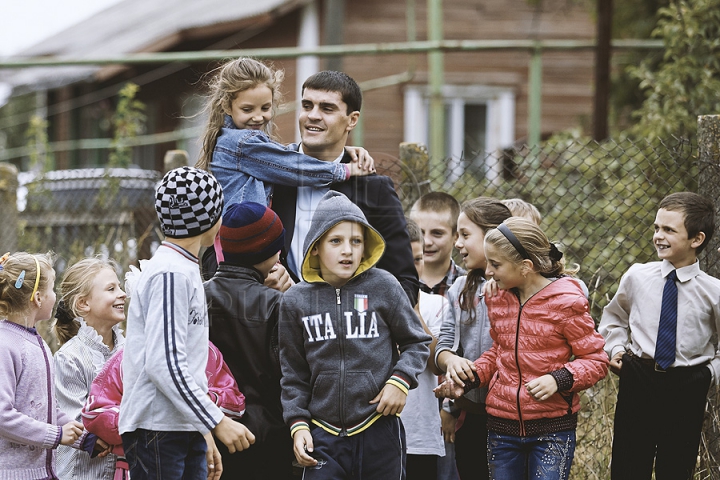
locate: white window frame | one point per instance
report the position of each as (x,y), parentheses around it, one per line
(499,130)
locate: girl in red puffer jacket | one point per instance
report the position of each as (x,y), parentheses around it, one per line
(545,350)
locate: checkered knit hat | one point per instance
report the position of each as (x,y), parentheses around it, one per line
(188,201)
(250,233)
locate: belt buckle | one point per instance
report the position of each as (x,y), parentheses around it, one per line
(659,369)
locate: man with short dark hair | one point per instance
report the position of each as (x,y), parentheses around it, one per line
(330,109)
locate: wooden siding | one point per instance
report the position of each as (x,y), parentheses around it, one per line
(567,91)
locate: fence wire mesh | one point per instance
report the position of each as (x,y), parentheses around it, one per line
(597,199)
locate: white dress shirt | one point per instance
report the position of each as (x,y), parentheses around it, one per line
(630,321)
(307,201)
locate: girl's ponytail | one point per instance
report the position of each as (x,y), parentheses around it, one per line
(65,326)
(547,259)
(77,283)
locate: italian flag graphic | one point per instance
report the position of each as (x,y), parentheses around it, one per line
(361,302)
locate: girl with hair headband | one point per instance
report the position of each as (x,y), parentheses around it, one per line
(545,350)
(31,424)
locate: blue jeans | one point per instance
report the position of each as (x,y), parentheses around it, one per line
(546,457)
(165,455)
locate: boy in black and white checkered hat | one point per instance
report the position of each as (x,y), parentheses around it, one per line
(188,202)
(165,385)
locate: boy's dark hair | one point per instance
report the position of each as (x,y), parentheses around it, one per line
(332,81)
(699,214)
(413,230)
(438,202)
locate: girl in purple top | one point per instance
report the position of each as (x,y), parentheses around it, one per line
(31,425)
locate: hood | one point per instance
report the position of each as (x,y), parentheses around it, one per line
(333,208)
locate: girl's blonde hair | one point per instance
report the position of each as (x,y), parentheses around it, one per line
(545,257)
(521,208)
(233,77)
(76,284)
(16,287)
(486,213)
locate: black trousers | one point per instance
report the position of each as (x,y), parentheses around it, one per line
(659,417)
(471,448)
(422,467)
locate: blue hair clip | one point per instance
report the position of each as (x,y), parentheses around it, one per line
(20,280)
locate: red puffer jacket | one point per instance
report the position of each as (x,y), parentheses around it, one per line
(551,331)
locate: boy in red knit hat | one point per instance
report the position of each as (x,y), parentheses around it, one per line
(243,325)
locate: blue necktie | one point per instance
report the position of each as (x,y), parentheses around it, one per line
(667,331)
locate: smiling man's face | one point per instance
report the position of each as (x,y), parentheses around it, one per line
(325,123)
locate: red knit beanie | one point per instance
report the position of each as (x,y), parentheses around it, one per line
(250,233)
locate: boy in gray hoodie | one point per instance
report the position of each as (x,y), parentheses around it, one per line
(351,346)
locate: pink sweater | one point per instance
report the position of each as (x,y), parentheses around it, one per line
(102,410)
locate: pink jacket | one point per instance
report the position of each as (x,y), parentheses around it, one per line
(102,409)
(533,340)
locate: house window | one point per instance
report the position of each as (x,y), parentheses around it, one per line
(479,121)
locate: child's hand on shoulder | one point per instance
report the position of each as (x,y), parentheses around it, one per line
(390,400)
(542,388)
(278,278)
(303,448)
(71,431)
(362,163)
(234,435)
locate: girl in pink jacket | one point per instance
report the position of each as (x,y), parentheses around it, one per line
(545,350)
(100,413)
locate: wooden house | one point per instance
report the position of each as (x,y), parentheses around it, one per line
(485,92)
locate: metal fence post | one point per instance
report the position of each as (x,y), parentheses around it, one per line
(535,98)
(709,182)
(415,172)
(8,207)
(175,159)
(708,139)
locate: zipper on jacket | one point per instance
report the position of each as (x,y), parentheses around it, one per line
(50,388)
(520,380)
(341,343)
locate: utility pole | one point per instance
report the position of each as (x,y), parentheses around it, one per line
(602,69)
(436,67)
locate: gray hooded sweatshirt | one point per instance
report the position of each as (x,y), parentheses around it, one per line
(340,346)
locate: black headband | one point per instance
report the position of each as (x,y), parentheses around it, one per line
(513,240)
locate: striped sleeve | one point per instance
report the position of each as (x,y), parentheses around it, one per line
(170,321)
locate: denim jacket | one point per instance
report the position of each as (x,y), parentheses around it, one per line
(247,163)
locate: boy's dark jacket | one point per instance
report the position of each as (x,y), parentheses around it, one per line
(243,325)
(339,347)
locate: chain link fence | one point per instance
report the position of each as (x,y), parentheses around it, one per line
(597,199)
